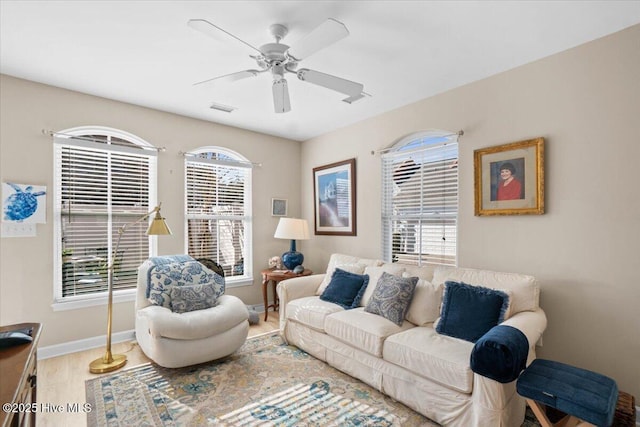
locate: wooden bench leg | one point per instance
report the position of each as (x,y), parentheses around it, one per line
(567,421)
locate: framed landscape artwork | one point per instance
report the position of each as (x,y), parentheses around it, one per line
(509,178)
(334,195)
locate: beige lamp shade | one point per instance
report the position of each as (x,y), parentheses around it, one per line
(292,228)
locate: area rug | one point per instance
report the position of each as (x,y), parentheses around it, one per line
(265,383)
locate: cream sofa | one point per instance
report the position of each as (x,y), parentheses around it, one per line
(412,363)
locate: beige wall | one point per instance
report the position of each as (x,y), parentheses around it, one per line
(585,249)
(26,276)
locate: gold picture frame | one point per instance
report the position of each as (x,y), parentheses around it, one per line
(509,178)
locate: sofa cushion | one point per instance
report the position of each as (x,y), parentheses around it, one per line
(375,273)
(392,297)
(425,305)
(424,272)
(364,331)
(348,263)
(524,290)
(437,357)
(194,297)
(345,289)
(311,311)
(468,312)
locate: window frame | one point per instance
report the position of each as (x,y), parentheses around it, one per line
(414,145)
(60,302)
(241,162)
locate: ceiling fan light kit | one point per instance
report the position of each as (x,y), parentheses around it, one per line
(281,101)
(280,59)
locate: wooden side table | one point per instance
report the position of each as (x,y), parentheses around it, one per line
(275,277)
(18,369)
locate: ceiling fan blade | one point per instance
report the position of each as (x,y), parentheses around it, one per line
(216,32)
(353,89)
(281,96)
(327,33)
(230,78)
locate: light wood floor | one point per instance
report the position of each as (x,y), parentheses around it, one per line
(61,379)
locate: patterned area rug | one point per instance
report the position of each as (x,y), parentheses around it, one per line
(266,383)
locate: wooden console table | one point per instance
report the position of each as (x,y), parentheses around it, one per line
(18,368)
(275,277)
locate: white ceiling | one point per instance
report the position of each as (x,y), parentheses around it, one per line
(143,52)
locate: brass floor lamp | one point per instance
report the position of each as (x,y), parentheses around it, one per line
(110,362)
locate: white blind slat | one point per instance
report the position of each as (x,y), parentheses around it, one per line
(101,186)
(217,213)
(420,201)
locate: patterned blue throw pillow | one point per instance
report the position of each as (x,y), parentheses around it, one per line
(392,297)
(162,278)
(193,297)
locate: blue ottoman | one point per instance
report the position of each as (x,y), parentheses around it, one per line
(585,395)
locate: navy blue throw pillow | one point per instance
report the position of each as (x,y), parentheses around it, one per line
(468,312)
(345,289)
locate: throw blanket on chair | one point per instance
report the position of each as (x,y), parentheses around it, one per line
(178,271)
(500,354)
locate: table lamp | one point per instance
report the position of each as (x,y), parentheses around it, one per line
(293,229)
(110,362)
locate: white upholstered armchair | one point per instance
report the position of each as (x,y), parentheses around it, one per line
(182,315)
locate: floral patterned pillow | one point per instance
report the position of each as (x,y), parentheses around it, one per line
(193,297)
(163,278)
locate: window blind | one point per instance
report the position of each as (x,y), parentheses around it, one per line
(218,212)
(420,202)
(98,190)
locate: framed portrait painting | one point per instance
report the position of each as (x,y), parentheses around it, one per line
(509,178)
(334,195)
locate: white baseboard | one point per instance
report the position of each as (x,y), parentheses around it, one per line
(84,344)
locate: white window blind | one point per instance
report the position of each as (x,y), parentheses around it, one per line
(218,211)
(420,200)
(101,183)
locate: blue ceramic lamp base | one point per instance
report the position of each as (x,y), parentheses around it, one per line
(293,258)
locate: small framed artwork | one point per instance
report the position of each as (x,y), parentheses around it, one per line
(334,195)
(278,207)
(509,178)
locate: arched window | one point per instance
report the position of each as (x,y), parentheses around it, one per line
(420,199)
(103,179)
(218,210)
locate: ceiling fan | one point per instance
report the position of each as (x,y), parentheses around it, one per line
(280,59)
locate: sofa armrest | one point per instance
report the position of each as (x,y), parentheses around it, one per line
(493,395)
(532,324)
(294,288)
